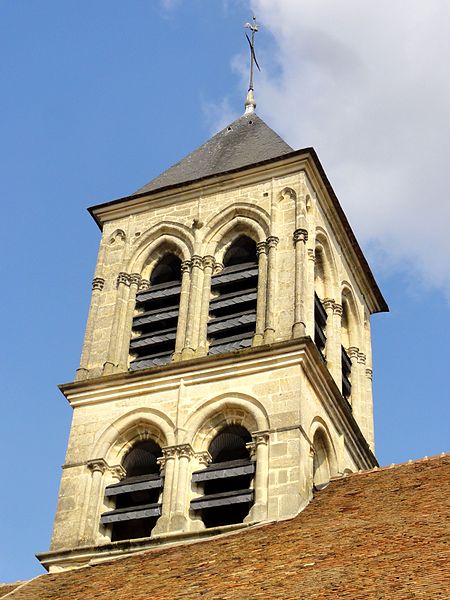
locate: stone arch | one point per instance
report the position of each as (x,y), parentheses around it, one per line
(117,238)
(289,192)
(241,218)
(325,266)
(325,463)
(137,425)
(168,236)
(351,333)
(225,409)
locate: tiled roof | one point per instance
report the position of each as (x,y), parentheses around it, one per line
(380,534)
(246,141)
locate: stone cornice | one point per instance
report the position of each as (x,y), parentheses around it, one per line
(300,351)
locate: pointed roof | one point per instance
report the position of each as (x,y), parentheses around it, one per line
(246,141)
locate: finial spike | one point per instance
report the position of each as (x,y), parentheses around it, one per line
(250,103)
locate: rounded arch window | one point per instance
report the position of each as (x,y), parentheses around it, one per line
(242,250)
(232,309)
(226,482)
(136,498)
(156,316)
(321,462)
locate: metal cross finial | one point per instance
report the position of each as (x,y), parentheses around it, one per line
(253,26)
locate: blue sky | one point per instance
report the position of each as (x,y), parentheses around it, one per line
(99,97)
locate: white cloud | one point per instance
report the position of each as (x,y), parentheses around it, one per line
(367,85)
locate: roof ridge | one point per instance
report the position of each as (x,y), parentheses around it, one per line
(391,466)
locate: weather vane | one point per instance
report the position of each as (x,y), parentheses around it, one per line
(253,28)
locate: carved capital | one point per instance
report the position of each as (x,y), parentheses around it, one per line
(218,268)
(135,279)
(98,283)
(361,358)
(311,254)
(259,438)
(300,235)
(144,284)
(261,248)
(208,262)
(123,278)
(272,241)
(186,266)
(118,472)
(185,451)
(197,261)
(328,304)
(369,374)
(337,309)
(353,352)
(204,458)
(97,465)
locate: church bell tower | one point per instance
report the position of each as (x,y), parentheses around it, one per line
(226,370)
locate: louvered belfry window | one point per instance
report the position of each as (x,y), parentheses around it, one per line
(232,311)
(156,316)
(320,325)
(137,505)
(225,483)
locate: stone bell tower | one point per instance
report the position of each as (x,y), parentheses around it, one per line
(226,369)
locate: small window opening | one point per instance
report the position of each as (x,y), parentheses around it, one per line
(345,359)
(320,326)
(137,496)
(321,465)
(226,482)
(156,316)
(232,311)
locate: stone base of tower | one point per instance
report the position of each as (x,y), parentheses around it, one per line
(302,433)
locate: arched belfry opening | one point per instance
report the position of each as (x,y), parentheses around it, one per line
(156,316)
(137,495)
(232,311)
(226,482)
(321,461)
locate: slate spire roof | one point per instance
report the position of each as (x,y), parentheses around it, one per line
(246,141)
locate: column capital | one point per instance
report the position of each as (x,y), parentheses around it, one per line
(186,266)
(353,352)
(272,241)
(144,284)
(328,304)
(185,451)
(311,254)
(204,458)
(117,471)
(259,438)
(123,278)
(218,268)
(98,283)
(337,309)
(300,235)
(197,261)
(361,358)
(97,465)
(134,279)
(261,248)
(209,262)
(369,374)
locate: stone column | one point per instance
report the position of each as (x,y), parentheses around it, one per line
(337,357)
(269,332)
(333,343)
(369,404)
(261,251)
(183,308)
(355,396)
(194,308)
(259,451)
(309,295)
(98,284)
(93,500)
(119,312)
(167,466)
(299,326)
(125,329)
(208,268)
(179,520)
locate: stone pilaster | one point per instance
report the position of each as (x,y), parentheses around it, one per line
(98,283)
(299,326)
(259,451)
(269,332)
(261,251)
